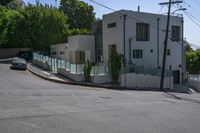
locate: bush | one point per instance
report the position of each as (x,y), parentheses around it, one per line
(114,65)
(87,70)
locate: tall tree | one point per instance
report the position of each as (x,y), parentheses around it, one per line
(5,2)
(193,61)
(15,4)
(34,26)
(80,14)
(8,20)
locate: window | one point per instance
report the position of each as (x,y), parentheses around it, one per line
(168,52)
(137,53)
(151,50)
(142,32)
(175,33)
(111,25)
(82,56)
(62,52)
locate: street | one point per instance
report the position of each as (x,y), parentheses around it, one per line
(29,104)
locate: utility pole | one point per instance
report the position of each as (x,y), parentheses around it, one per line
(166,40)
(124,58)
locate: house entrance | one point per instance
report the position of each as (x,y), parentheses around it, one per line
(176,75)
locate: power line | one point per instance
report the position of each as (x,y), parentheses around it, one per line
(192,19)
(157,13)
(135,19)
(193,16)
(197,2)
(188,5)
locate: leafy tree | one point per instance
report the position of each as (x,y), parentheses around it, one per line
(38,27)
(80,14)
(5,2)
(79,32)
(193,61)
(114,64)
(8,20)
(15,4)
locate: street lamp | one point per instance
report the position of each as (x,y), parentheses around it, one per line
(180,9)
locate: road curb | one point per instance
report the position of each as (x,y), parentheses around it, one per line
(47,78)
(120,88)
(85,84)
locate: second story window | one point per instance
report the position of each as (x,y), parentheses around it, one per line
(137,53)
(175,33)
(142,32)
(111,25)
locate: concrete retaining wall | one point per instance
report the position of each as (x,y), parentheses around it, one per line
(41,64)
(145,81)
(75,77)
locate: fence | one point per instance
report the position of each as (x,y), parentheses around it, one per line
(194,77)
(96,70)
(145,70)
(72,68)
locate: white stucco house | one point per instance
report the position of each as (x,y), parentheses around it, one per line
(138,36)
(78,50)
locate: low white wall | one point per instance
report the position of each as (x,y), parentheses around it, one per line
(41,64)
(145,81)
(101,79)
(194,84)
(75,77)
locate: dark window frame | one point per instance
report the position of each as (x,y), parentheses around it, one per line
(142,32)
(175,33)
(137,53)
(112,25)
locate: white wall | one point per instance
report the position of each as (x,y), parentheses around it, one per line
(145,81)
(58,48)
(83,43)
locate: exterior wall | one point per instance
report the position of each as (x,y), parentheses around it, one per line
(112,35)
(75,44)
(83,43)
(60,48)
(101,79)
(12,52)
(145,81)
(115,36)
(75,77)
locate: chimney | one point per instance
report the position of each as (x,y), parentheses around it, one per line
(138,8)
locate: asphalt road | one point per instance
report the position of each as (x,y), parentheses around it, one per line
(29,104)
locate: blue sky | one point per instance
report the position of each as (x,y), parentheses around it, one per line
(191,32)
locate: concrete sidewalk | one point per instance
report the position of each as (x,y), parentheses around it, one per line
(51,76)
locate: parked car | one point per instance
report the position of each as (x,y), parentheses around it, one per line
(19,63)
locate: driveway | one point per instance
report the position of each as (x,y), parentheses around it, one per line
(29,104)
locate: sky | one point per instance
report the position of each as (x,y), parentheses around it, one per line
(191,30)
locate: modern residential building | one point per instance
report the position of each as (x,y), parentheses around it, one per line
(137,36)
(78,50)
